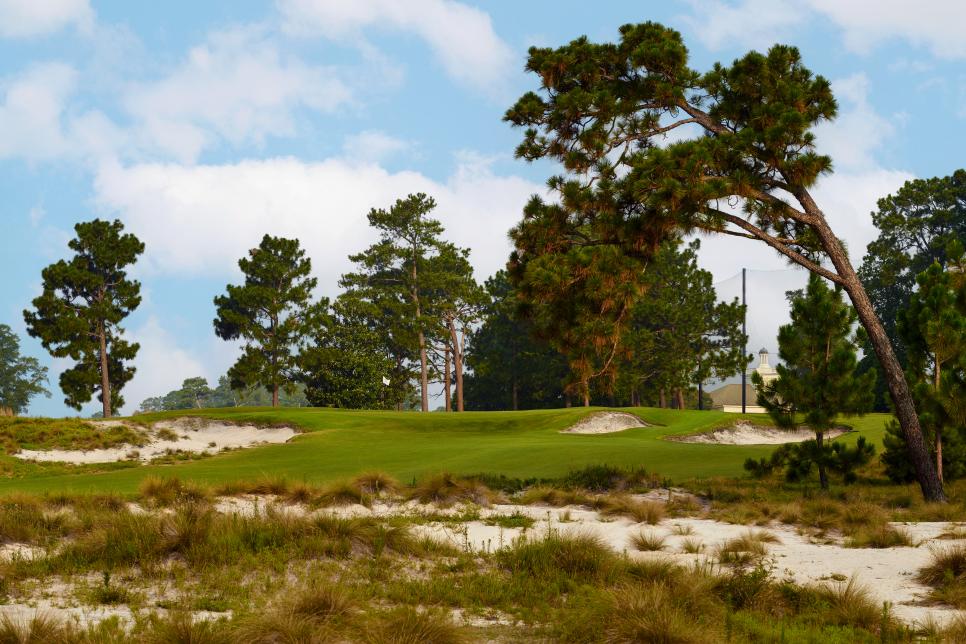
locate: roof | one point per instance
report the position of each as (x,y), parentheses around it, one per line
(731,395)
(763,350)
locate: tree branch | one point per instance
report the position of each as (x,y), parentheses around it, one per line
(777,244)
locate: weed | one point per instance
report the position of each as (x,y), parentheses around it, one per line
(648,512)
(682,530)
(692,546)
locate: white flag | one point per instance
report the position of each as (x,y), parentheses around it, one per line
(385,381)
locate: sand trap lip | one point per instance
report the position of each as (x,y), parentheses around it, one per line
(196,435)
(748,434)
(605,422)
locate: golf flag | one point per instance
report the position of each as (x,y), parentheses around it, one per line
(385,381)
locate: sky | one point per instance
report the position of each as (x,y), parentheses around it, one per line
(205,125)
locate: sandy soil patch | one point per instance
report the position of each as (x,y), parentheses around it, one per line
(605,422)
(748,434)
(195,435)
(888,573)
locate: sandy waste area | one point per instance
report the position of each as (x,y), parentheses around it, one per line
(605,422)
(887,573)
(748,434)
(196,435)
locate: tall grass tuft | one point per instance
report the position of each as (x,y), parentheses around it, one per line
(178,627)
(648,541)
(579,556)
(447,489)
(167,491)
(407,625)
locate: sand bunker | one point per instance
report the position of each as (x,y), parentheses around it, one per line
(195,435)
(605,422)
(747,434)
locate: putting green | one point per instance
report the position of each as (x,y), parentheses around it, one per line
(339,444)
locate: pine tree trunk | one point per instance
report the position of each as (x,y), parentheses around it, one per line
(680,396)
(905,408)
(458,360)
(105,375)
(516,393)
(423,372)
(567,401)
(446,378)
(822,474)
(663,399)
(275,395)
(586,394)
(701,396)
(939,434)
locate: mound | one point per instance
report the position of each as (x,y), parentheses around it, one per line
(748,434)
(194,435)
(605,422)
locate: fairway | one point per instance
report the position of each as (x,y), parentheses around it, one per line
(528,444)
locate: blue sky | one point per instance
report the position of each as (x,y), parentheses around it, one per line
(204,125)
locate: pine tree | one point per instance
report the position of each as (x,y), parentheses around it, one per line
(79,313)
(604,111)
(272,311)
(817,379)
(510,368)
(933,328)
(407,277)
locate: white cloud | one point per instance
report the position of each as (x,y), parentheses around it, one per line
(236,87)
(462,37)
(25,18)
(31,110)
(161,364)
(750,23)
(178,210)
(36,124)
(858,131)
(373,146)
(936,25)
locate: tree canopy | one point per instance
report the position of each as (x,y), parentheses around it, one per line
(21,377)
(78,315)
(741,161)
(272,311)
(916,226)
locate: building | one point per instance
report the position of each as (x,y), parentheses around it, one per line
(728,397)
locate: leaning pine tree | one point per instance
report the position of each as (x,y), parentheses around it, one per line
(272,311)
(743,135)
(79,313)
(817,379)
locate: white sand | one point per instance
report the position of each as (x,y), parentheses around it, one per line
(747,434)
(887,573)
(194,435)
(605,422)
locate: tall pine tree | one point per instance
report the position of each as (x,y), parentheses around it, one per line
(604,111)
(21,377)
(79,313)
(272,312)
(817,378)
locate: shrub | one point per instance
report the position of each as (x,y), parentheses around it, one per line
(579,556)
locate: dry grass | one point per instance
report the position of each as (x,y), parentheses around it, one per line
(648,541)
(747,549)
(946,573)
(446,489)
(649,512)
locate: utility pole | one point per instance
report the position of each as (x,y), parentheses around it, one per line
(744,332)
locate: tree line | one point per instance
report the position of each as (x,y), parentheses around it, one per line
(582,269)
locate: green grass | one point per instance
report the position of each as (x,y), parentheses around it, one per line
(339,444)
